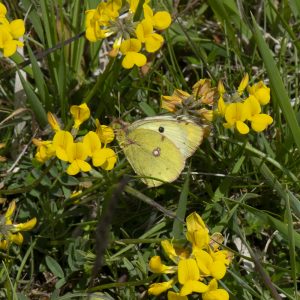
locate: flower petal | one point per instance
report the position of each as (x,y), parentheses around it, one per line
(10,210)
(92,142)
(83,165)
(130,45)
(80,114)
(204,260)
(242,127)
(188,270)
(218,294)
(158,288)
(53,122)
(10,47)
(16,238)
(260,122)
(176,296)
(243,84)
(162,20)
(111,159)
(62,139)
(153,42)
(193,286)
(25,226)
(134,58)
(218,269)
(17,28)
(73,168)
(156,266)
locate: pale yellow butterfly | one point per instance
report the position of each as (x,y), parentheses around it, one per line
(157,147)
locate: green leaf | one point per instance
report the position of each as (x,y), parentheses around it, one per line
(177,231)
(54,267)
(34,102)
(147,109)
(39,78)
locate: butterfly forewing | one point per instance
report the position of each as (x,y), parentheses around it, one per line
(183,132)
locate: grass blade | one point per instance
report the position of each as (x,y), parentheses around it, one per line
(276,83)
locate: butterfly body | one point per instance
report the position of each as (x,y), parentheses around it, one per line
(157,147)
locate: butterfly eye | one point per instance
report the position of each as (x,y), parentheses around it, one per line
(161,129)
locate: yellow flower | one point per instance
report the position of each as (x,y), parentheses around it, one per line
(116,46)
(17,28)
(112,8)
(111,159)
(93,31)
(198,104)
(61,141)
(203,91)
(53,122)
(3,10)
(101,157)
(45,150)
(170,103)
(176,296)
(105,133)
(9,232)
(160,287)
(221,88)
(192,266)
(67,150)
(174,253)
(261,92)
(144,32)
(197,233)
(10,32)
(7,43)
(253,107)
(130,49)
(222,106)
(214,293)
(189,276)
(98,20)
(235,115)
(243,84)
(156,266)
(259,122)
(80,114)
(208,266)
(206,114)
(133,4)
(224,256)
(77,154)
(160,20)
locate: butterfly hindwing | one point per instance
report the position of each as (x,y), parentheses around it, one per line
(151,155)
(158,146)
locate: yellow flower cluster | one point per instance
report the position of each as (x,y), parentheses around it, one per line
(76,150)
(10,32)
(237,111)
(197,269)
(9,232)
(198,104)
(114,18)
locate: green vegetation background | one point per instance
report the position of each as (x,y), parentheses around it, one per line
(246,187)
